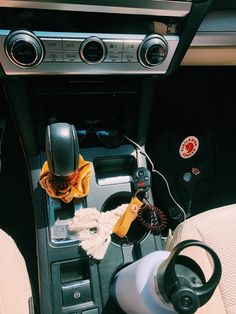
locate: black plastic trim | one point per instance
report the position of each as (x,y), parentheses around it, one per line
(192,24)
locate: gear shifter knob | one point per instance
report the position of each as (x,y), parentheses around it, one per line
(62,148)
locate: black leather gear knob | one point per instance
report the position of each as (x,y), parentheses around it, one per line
(62,148)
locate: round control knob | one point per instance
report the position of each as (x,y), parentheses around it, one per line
(153,51)
(93,50)
(24,49)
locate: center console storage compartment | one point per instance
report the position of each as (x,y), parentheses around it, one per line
(96,103)
(114,170)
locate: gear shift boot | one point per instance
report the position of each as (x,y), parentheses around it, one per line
(62,148)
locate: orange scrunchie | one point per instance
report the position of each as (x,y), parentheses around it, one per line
(78,189)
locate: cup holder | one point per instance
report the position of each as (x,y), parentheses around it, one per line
(136,232)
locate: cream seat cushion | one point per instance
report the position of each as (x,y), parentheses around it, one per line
(15,289)
(217,228)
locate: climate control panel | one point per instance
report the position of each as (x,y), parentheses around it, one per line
(25,52)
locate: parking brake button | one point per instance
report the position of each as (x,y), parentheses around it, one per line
(76,292)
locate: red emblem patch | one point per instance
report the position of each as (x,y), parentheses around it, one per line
(189,147)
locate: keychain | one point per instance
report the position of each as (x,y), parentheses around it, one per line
(152,218)
(148,215)
(122,226)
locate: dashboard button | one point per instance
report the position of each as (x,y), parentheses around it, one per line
(155,54)
(53,56)
(153,51)
(71,56)
(24,52)
(52,44)
(130,50)
(114,50)
(93,50)
(71,44)
(24,49)
(77,292)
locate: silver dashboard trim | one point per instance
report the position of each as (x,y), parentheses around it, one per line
(82,68)
(72,35)
(150,7)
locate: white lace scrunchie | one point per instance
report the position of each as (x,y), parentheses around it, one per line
(94,229)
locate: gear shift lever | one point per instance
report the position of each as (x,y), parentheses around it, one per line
(65,175)
(62,149)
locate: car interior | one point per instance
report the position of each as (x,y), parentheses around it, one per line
(124,111)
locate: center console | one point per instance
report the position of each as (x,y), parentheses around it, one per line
(71,282)
(80,63)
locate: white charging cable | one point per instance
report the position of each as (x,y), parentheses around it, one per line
(160,174)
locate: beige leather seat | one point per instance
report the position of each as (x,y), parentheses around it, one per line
(217,228)
(15,289)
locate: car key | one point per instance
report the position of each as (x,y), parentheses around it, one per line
(141,179)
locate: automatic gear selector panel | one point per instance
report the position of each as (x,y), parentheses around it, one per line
(24,52)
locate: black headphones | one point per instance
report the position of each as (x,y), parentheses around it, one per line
(181,281)
(62,148)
